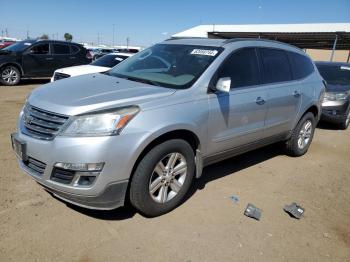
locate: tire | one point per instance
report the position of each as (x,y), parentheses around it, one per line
(294,146)
(9,75)
(145,175)
(345,124)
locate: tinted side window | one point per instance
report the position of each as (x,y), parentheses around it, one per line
(302,65)
(74,49)
(242,67)
(276,65)
(40,49)
(61,49)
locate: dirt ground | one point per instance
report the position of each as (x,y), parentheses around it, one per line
(34,226)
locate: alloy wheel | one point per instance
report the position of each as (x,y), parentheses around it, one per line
(305,134)
(168,177)
(9,75)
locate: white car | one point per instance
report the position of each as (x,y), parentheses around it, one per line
(100,65)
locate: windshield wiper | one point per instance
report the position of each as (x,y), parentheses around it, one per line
(140,80)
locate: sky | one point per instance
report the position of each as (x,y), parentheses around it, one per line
(148,22)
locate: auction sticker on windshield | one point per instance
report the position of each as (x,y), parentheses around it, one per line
(204,52)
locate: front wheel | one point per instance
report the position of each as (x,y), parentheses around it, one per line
(10,76)
(162,178)
(302,135)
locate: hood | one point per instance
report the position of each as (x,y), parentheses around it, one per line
(81,94)
(337,88)
(82,70)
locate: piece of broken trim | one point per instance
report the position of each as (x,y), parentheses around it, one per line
(294,210)
(253,212)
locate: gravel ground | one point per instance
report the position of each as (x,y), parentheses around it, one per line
(34,226)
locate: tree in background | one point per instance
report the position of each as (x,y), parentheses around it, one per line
(68,37)
(44,36)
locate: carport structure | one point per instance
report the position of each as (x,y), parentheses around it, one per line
(327,36)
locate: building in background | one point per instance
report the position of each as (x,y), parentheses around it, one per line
(322,41)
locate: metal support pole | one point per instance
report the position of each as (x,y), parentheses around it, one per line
(334,46)
(348,57)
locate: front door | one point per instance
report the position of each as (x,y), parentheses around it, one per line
(237,118)
(37,60)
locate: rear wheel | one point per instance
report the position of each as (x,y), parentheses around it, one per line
(10,76)
(345,124)
(162,178)
(302,135)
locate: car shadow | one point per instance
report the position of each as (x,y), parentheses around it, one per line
(327,126)
(120,213)
(210,173)
(34,81)
(235,164)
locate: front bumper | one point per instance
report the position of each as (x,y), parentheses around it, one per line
(335,111)
(119,153)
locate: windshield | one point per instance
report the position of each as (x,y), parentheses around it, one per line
(19,46)
(335,74)
(174,66)
(109,60)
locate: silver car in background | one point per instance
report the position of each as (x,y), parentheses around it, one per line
(145,129)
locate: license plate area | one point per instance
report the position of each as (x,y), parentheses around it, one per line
(19,147)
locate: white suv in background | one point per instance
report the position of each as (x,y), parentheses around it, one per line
(100,65)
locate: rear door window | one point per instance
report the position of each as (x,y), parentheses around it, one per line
(276,65)
(74,49)
(61,49)
(301,65)
(242,67)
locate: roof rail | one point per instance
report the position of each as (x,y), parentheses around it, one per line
(257,39)
(185,37)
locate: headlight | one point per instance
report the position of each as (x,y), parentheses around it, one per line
(335,96)
(100,124)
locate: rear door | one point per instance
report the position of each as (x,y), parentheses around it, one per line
(237,118)
(37,60)
(62,55)
(284,94)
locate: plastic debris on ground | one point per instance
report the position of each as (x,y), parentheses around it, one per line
(294,210)
(234,198)
(253,212)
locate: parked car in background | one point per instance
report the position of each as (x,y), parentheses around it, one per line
(144,130)
(100,65)
(336,102)
(101,52)
(38,58)
(6,42)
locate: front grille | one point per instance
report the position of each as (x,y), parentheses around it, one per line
(41,124)
(58,76)
(35,166)
(62,175)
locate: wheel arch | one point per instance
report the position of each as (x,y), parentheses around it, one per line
(18,66)
(185,134)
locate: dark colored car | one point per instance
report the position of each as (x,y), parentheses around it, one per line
(38,58)
(336,102)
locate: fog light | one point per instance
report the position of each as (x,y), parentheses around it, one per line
(86,180)
(81,166)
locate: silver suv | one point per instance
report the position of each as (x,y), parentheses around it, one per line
(146,128)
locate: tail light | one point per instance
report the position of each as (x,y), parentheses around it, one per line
(89,55)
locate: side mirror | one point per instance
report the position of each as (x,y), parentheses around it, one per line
(223,84)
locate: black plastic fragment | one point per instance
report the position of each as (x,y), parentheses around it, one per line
(294,210)
(253,212)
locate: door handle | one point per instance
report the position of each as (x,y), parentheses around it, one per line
(296,93)
(49,58)
(259,100)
